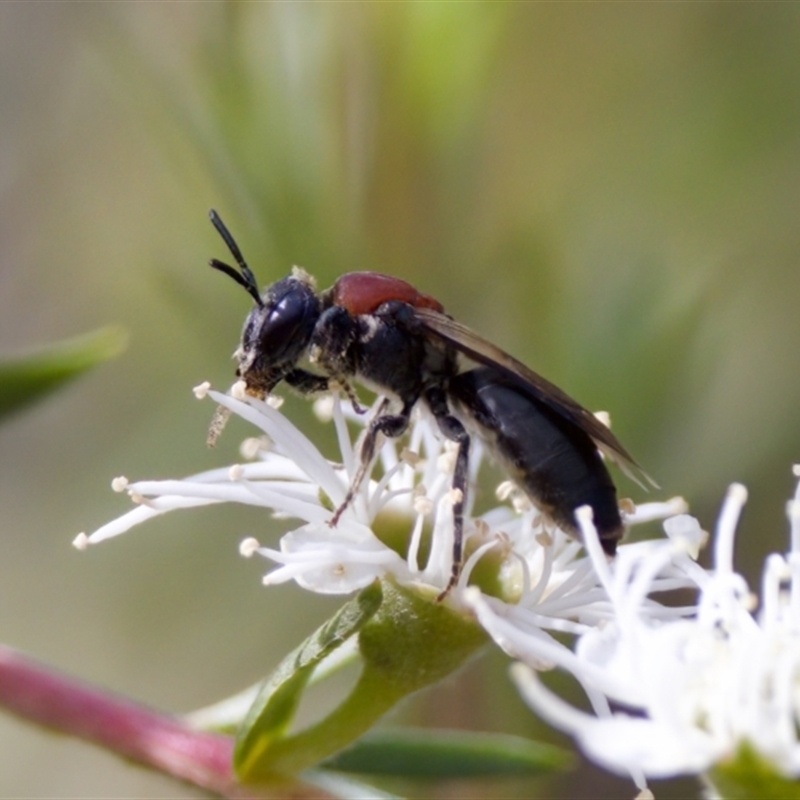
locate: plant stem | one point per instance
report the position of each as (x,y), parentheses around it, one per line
(153,739)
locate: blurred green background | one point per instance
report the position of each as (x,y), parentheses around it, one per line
(609,191)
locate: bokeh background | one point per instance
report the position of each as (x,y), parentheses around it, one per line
(609,191)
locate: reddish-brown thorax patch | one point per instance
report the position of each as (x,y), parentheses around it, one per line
(362,292)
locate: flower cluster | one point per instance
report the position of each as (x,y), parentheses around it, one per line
(545,582)
(696,691)
(548,576)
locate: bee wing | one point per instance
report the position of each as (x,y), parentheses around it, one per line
(479,349)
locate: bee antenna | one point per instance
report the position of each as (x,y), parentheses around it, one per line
(246,277)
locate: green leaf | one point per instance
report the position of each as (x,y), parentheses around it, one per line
(272,712)
(26,378)
(411,642)
(227,716)
(426,753)
(747,775)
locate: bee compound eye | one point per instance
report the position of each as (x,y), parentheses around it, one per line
(281,329)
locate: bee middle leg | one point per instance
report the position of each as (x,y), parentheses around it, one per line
(391,425)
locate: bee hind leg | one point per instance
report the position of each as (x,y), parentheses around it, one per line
(455,432)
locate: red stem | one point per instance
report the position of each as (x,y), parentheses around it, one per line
(160,741)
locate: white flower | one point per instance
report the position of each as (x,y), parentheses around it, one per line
(697,689)
(547,581)
(292,479)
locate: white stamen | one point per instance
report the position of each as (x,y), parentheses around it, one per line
(504,490)
(544,539)
(776,570)
(627,506)
(455,495)
(584,516)
(546,704)
(646,512)
(253,446)
(81,541)
(323,408)
(794,590)
(249,547)
(686,529)
(466,570)
(520,503)
(726,527)
(526,573)
(236,472)
(422,505)
(409,457)
(793,512)
(201,390)
(446,462)
(239,391)
(343,436)
(119,484)
(414,545)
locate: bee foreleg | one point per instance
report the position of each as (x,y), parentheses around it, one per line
(306,382)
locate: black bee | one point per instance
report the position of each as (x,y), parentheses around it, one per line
(382,332)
